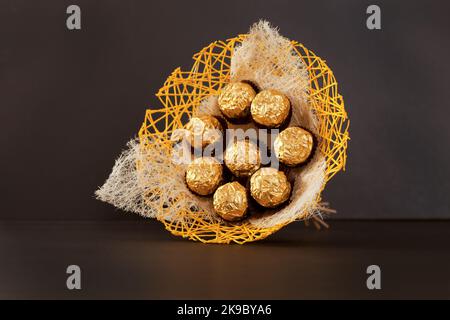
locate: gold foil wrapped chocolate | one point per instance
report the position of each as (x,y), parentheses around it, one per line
(270,108)
(203,130)
(293,146)
(230,201)
(203,175)
(235,100)
(243,158)
(269,187)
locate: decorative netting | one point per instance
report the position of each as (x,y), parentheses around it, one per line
(181,95)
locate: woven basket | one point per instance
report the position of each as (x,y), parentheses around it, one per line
(182,93)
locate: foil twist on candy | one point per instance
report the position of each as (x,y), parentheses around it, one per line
(235,100)
(243,158)
(203,131)
(270,108)
(293,146)
(203,175)
(269,187)
(230,201)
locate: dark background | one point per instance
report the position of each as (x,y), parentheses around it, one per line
(70,100)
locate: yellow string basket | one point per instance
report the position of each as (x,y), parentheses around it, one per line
(183,92)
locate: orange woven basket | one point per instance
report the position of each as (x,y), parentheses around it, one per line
(182,93)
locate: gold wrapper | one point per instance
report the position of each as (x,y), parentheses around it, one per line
(203,131)
(270,108)
(242,158)
(203,175)
(235,100)
(293,146)
(230,201)
(269,187)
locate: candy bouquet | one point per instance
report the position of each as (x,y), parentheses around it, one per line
(244,144)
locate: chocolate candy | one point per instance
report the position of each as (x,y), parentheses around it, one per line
(203,131)
(243,158)
(269,187)
(270,108)
(203,175)
(293,146)
(235,100)
(230,201)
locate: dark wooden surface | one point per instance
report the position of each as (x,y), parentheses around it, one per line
(134,260)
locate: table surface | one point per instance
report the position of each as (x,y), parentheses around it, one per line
(140,260)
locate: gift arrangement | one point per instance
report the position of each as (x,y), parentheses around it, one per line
(244,143)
